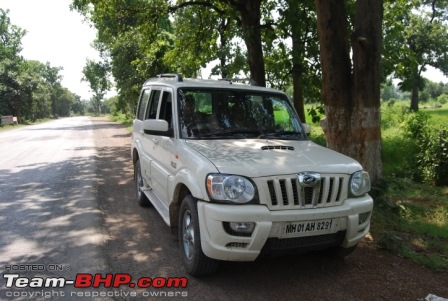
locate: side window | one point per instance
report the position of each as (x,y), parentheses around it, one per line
(153,104)
(166,112)
(144,98)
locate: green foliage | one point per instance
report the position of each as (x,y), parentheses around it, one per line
(414,37)
(393,114)
(29,89)
(442,99)
(140,39)
(398,156)
(415,126)
(432,158)
(421,144)
(316,113)
(96,74)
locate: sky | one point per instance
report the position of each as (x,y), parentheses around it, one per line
(55,35)
(62,37)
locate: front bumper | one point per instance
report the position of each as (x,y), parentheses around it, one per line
(217,243)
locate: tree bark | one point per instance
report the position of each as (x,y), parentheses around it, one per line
(297,77)
(351,93)
(414,95)
(250,12)
(297,61)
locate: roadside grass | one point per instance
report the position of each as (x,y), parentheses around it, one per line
(8,127)
(410,218)
(123,119)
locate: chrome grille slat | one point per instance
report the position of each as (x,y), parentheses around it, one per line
(286,193)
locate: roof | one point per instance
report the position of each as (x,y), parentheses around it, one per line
(177,81)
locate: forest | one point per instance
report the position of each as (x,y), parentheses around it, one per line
(30,90)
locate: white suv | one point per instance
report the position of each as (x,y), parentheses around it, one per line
(230,169)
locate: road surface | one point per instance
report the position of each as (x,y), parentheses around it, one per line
(67,207)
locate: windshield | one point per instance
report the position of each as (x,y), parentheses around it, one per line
(230,114)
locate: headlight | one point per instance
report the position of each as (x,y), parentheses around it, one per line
(360,183)
(235,189)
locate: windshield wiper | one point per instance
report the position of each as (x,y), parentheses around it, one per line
(281,134)
(230,132)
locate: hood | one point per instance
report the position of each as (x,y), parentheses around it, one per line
(260,157)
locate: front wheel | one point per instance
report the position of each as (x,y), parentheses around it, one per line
(195,261)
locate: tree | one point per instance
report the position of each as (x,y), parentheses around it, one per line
(10,66)
(250,16)
(203,32)
(297,22)
(351,89)
(78,107)
(133,37)
(416,37)
(96,74)
(28,89)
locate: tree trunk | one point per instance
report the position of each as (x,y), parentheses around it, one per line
(414,95)
(297,77)
(297,61)
(352,98)
(250,22)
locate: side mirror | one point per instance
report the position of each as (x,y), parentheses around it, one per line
(307,128)
(158,127)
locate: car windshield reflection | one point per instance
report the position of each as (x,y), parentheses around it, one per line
(224,114)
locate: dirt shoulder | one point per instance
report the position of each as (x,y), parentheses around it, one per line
(142,245)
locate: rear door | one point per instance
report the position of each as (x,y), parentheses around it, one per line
(147,141)
(137,130)
(160,148)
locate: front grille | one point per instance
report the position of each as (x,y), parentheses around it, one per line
(287,193)
(232,245)
(304,243)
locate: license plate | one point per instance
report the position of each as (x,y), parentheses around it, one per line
(310,228)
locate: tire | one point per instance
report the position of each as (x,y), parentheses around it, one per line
(195,261)
(142,200)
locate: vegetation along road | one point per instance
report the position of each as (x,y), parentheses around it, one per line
(67,207)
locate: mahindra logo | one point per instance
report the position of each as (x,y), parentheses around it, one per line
(309,179)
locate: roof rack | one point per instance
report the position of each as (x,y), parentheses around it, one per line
(177,76)
(240,80)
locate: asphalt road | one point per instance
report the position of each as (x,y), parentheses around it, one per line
(67,206)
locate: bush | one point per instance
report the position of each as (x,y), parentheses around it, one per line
(442,99)
(415,126)
(392,114)
(432,158)
(431,148)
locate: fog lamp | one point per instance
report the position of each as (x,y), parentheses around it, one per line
(242,227)
(362,217)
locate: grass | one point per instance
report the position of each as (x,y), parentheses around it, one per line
(438,116)
(123,119)
(7,127)
(411,220)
